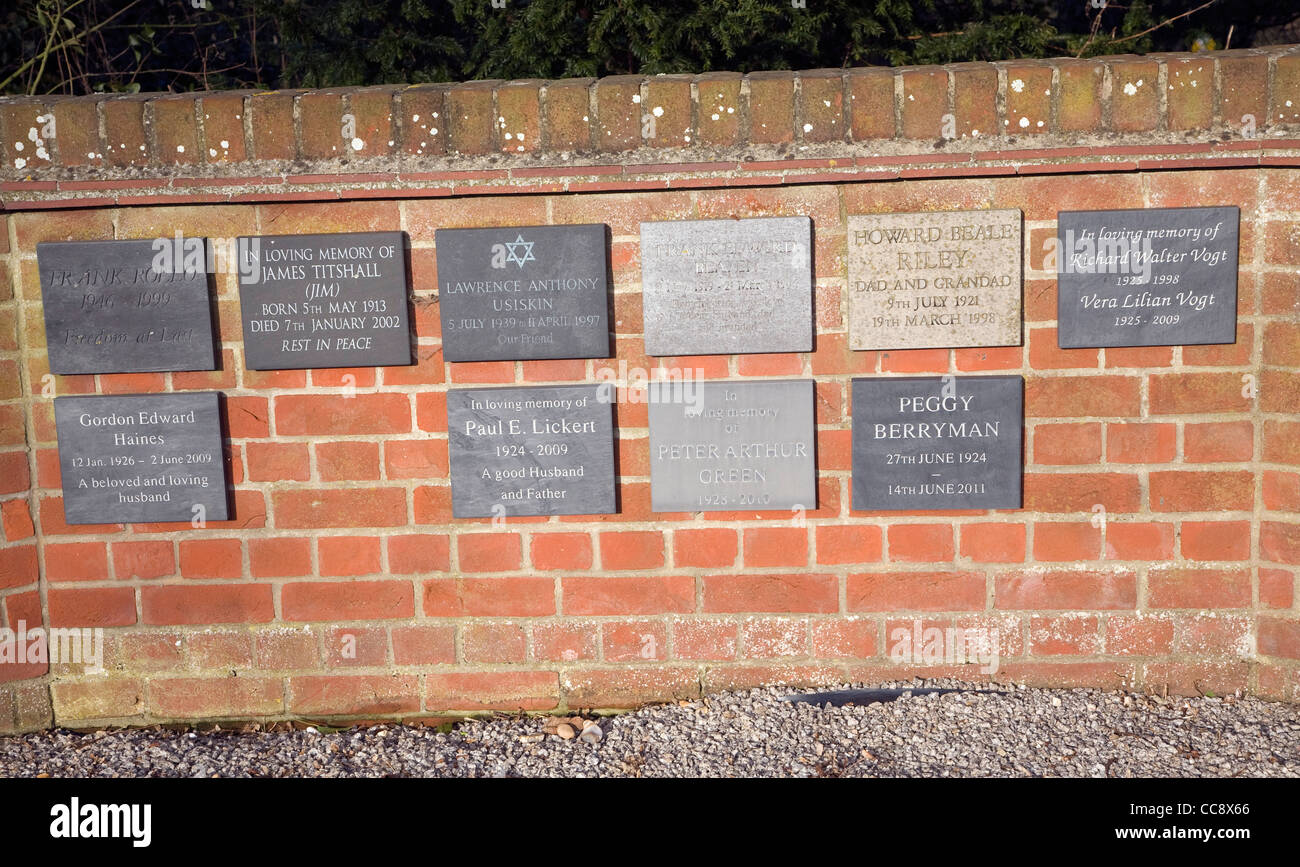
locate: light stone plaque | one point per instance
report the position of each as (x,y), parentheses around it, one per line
(935,279)
(718,287)
(732,446)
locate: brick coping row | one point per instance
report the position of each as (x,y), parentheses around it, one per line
(633,133)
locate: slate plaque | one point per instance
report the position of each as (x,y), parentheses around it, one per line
(146,457)
(732,446)
(523,292)
(539,450)
(937,442)
(718,287)
(941,279)
(1147,277)
(336,300)
(126,306)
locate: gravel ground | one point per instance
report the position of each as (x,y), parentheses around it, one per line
(755,733)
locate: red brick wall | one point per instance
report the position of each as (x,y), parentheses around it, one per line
(1159,542)
(24,697)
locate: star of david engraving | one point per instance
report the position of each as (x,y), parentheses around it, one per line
(513,254)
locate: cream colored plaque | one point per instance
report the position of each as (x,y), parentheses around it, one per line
(935,279)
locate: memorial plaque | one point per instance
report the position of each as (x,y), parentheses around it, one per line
(539,450)
(935,279)
(336,300)
(523,292)
(732,446)
(145,457)
(937,442)
(718,287)
(126,306)
(1147,277)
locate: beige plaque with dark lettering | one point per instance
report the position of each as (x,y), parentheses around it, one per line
(935,279)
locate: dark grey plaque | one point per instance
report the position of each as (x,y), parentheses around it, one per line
(539,450)
(732,446)
(336,300)
(522,292)
(1147,277)
(142,457)
(717,287)
(937,442)
(126,306)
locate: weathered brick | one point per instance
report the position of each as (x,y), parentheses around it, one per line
(223,127)
(1189,93)
(1135,95)
(803,592)
(271,120)
(492,690)
(568,115)
(560,551)
(1284,107)
(1116,589)
(629,686)
(1243,90)
(993,542)
(668,112)
(207,603)
(327,507)
(871,97)
(925,102)
(1080,106)
(471,126)
(851,544)
(113,698)
(975,90)
(719,98)
(771,107)
(1029,97)
(915,591)
(25,123)
(821,105)
(519,117)
(1198,588)
(124,134)
(520,596)
(91,606)
(618,113)
(175,131)
(1204,491)
(639,549)
(320,116)
(76,132)
(601,595)
(372,114)
(201,697)
(347,600)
